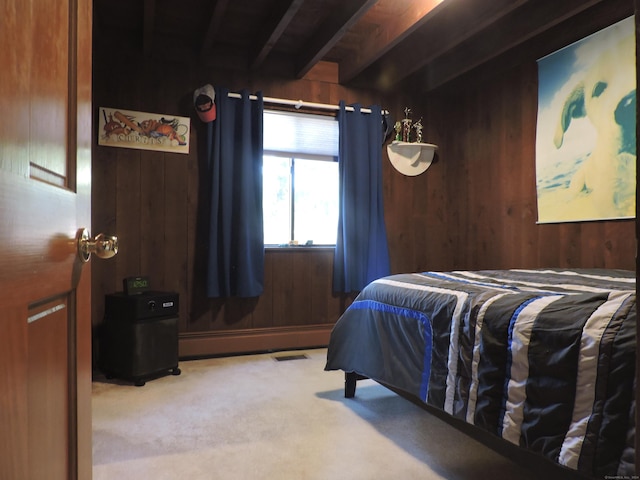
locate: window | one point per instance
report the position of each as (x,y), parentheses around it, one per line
(300,178)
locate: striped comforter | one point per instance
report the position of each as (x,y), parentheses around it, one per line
(544,359)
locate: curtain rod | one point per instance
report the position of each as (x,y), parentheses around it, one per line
(299,103)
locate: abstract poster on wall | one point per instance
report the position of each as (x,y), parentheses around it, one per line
(146,131)
(586,128)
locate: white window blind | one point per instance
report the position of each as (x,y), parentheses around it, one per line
(296,134)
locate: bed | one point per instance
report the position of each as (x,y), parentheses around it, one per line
(544,359)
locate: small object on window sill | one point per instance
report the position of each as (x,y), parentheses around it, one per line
(296,243)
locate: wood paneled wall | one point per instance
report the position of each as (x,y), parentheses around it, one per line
(473,209)
(478,205)
(157,204)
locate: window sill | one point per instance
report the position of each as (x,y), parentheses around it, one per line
(299,248)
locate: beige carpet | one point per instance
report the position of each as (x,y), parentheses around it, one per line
(252,417)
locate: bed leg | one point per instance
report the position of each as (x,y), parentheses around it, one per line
(350,379)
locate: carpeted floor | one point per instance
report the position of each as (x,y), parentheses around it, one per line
(253,417)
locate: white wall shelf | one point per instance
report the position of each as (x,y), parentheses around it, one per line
(411,158)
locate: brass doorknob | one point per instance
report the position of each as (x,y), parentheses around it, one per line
(103,246)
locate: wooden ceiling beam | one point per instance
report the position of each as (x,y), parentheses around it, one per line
(330,32)
(507,34)
(449,26)
(600,16)
(388,36)
(275,26)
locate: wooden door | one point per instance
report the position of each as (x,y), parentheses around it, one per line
(45,187)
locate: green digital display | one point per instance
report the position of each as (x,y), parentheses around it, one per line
(133,285)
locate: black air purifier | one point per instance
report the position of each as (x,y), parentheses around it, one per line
(139,336)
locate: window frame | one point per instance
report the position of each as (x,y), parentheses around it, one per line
(327,127)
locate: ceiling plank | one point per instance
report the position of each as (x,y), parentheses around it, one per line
(148,22)
(275,26)
(450,25)
(392,32)
(599,16)
(512,31)
(330,32)
(214,25)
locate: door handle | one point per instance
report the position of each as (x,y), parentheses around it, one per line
(103,246)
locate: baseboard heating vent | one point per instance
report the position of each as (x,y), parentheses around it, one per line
(284,358)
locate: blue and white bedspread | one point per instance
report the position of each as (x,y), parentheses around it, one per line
(544,359)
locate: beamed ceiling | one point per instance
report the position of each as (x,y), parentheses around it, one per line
(382,44)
